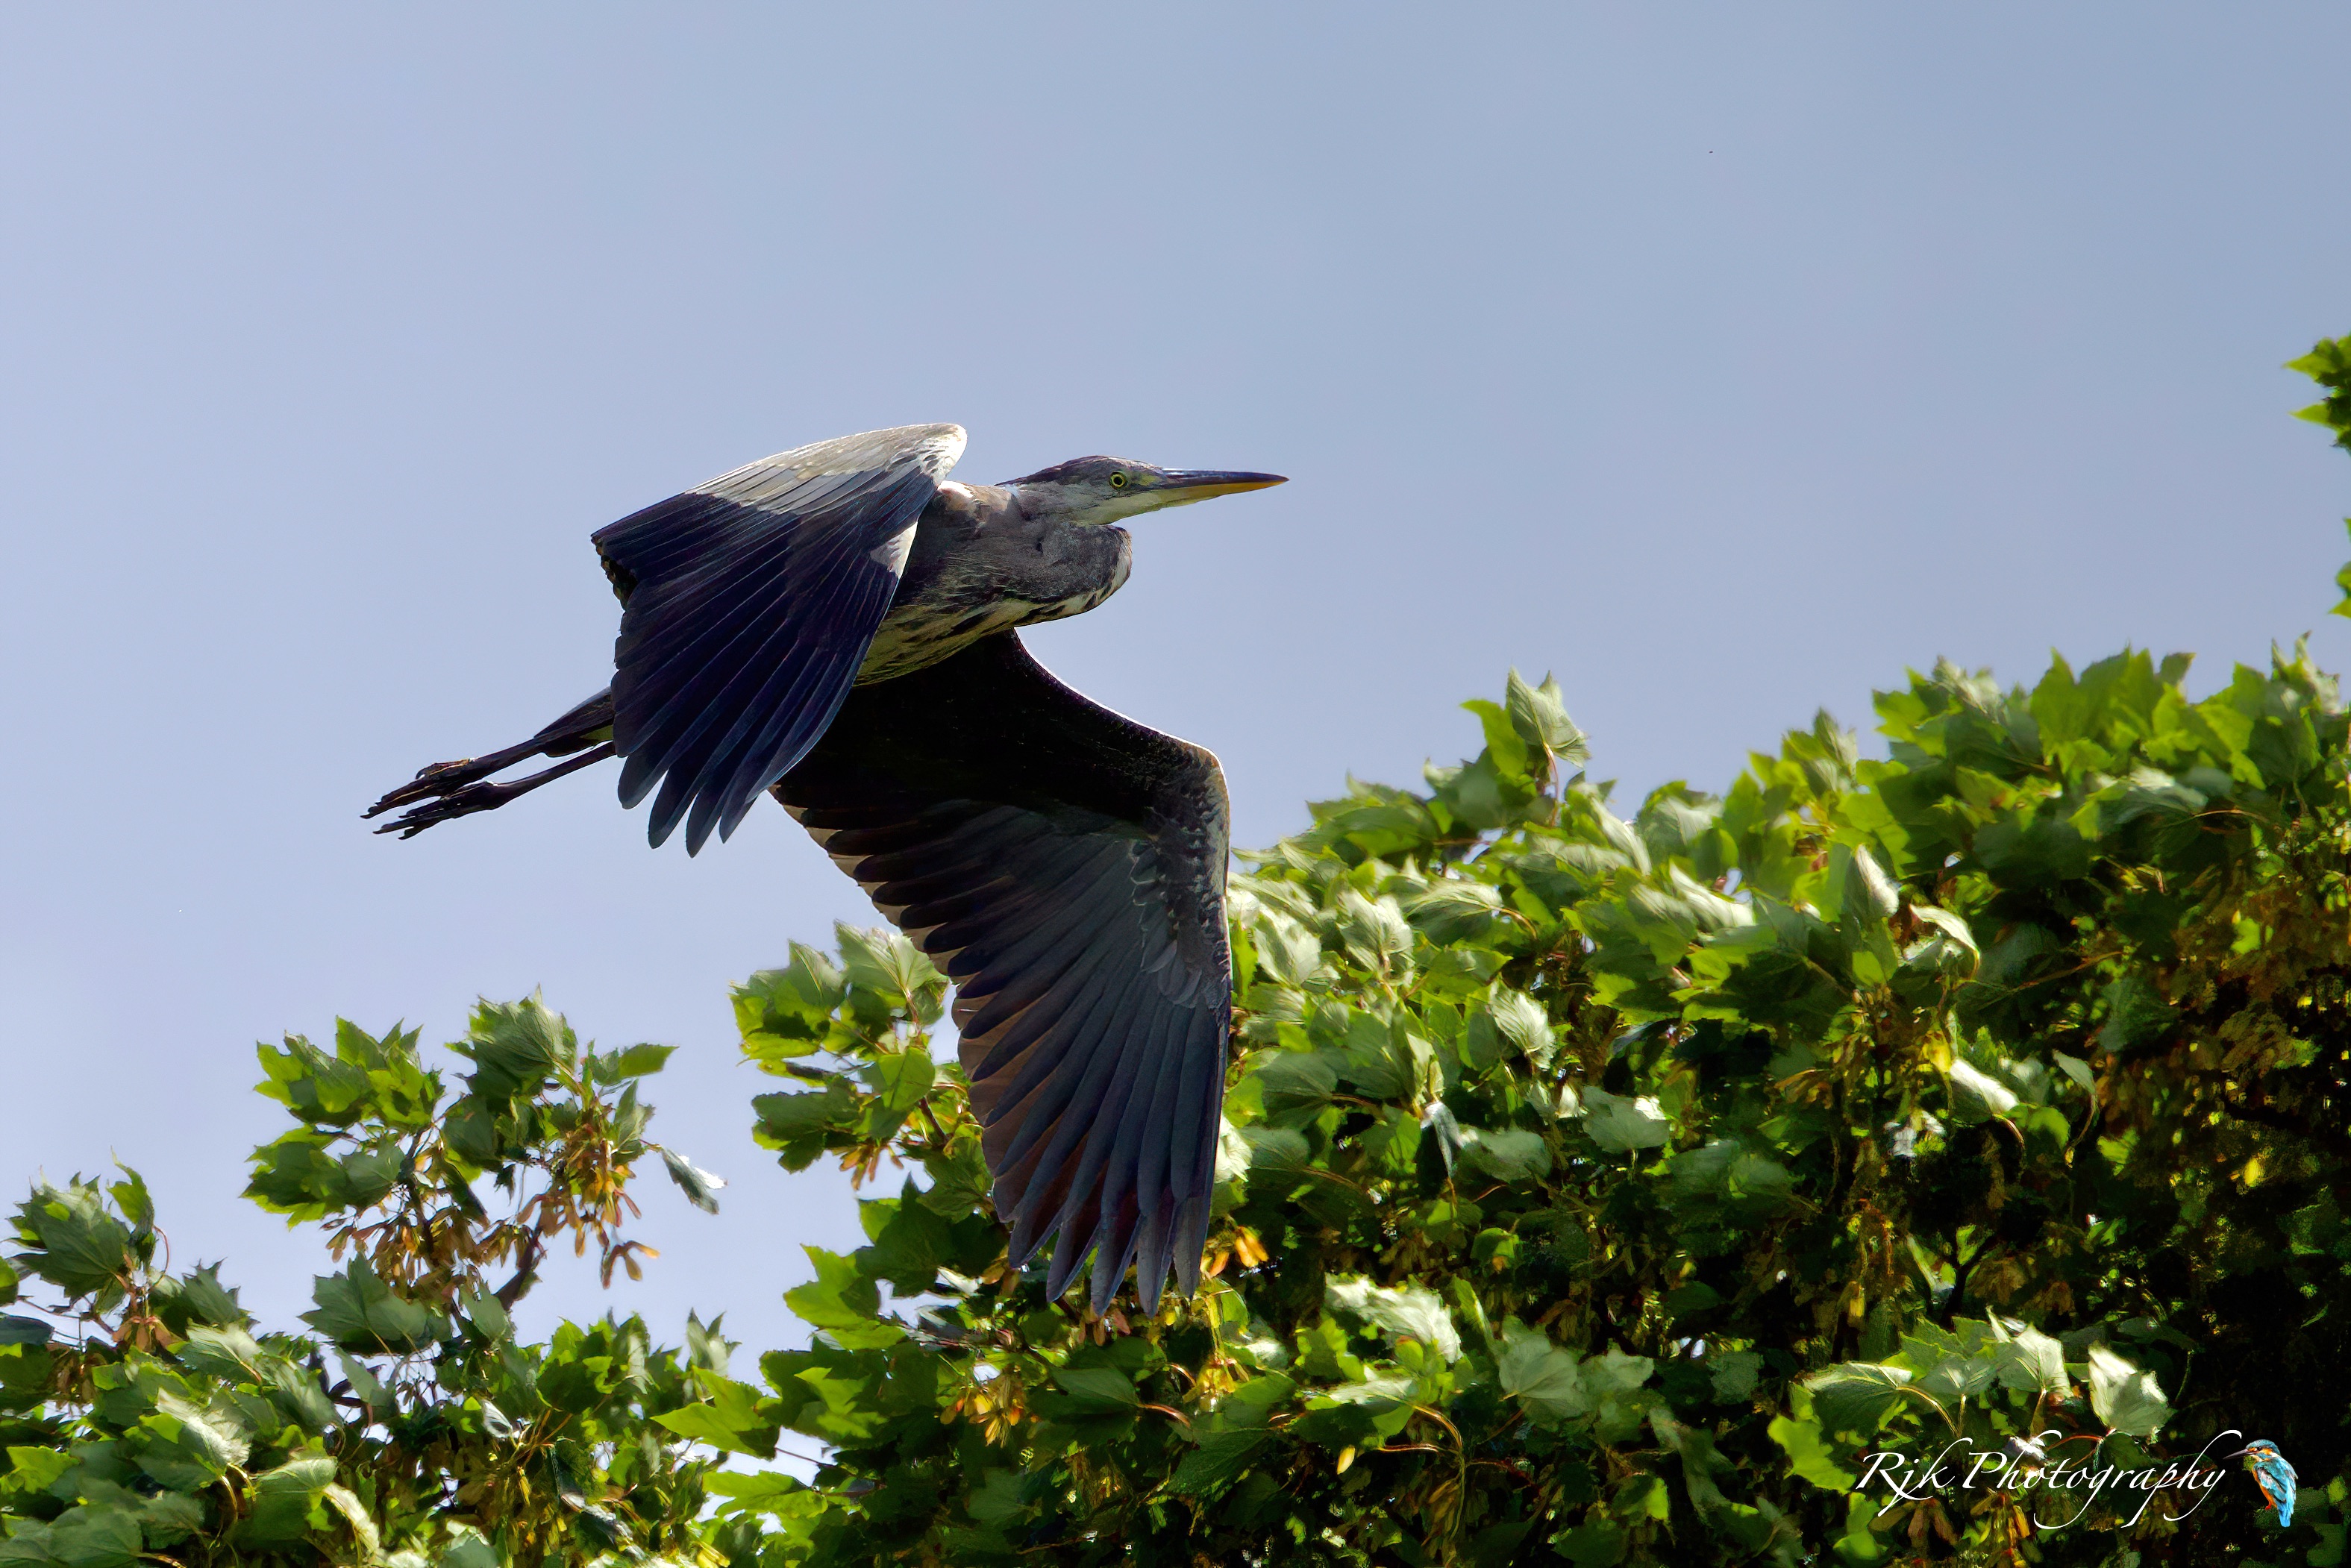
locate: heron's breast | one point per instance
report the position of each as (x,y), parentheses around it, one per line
(979,587)
(915,635)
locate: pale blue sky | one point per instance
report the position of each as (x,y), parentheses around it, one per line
(1724,359)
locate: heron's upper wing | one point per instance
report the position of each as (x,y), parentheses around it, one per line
(1066,868)
(750,600)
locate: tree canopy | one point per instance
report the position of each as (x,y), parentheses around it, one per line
(1597,1188)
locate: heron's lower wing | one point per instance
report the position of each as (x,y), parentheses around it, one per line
(749,604)
(1065,867)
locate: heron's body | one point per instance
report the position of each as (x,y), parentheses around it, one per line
(980,565)
(836,625)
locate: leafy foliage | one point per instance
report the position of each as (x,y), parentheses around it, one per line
(144,1415)
(1602,1188)
(1595,1189)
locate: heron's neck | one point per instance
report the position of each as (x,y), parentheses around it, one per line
(1071,505)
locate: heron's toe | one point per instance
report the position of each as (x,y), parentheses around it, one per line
(440,779)
(462,802)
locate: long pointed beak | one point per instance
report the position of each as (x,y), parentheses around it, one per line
(1182,486)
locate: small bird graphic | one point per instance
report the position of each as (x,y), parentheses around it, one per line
(2271,1474)
(835,625)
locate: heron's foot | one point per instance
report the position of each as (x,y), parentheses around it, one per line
(462,802)
(440,779)
(462,789)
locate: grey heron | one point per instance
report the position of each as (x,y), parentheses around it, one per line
(835,625)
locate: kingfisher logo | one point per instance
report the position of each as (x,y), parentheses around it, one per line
(2178,1488)
(2271,1474)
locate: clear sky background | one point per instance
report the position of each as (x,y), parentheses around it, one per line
(1723,360)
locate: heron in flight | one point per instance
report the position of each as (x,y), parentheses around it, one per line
(835,625)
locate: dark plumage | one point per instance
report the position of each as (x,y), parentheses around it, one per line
(835,624)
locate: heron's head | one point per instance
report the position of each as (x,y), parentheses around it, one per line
(1112,489)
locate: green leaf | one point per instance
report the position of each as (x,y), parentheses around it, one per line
(2125,1398)
(195,1445)
(1097,1390)
(206,1300)
(1613,1372)
(1290,952)
(1506,749)
(35,1469)
(1519,1020)
(785,1013)
(1854,1397)
(701,1186)
(1453,910)
(901,1080)
(1541,1376)
(1859,1543)
(14,1330)
(132,1200)
(1622,1123)
(317,1087)
(1276,1151)
(72,1240)
(911,1242)
(843,1302)
(2030,1360)
(1809,1453)
(880,961)
(1375,932)
(798,1124)
(1598,1544)
(1511,1155)
(1538,715)
(1976,1095)
(2326,365)
(2136,1014)
(365,1383)
(1217,1462)
(771,1492)
(467,1548)
(1414,1312)
(635,1061)
(488,1316)
(514,1047)
(733,1417)
(1372,1054)
(1858,886)
(168,1517)
(228,1354)
(358,1311)
(1735,1374)
(1948,948)
(281,1500)
(355,1517)
(1295,1086)
(94,1535)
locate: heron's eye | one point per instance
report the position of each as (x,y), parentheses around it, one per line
(1118,481)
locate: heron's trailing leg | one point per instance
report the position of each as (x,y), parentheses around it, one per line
(446,778)
(583,725)
(467,798)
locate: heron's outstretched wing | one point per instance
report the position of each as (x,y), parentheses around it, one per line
(1066,868)
(750,600)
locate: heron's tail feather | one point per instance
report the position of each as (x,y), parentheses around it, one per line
(459,789)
